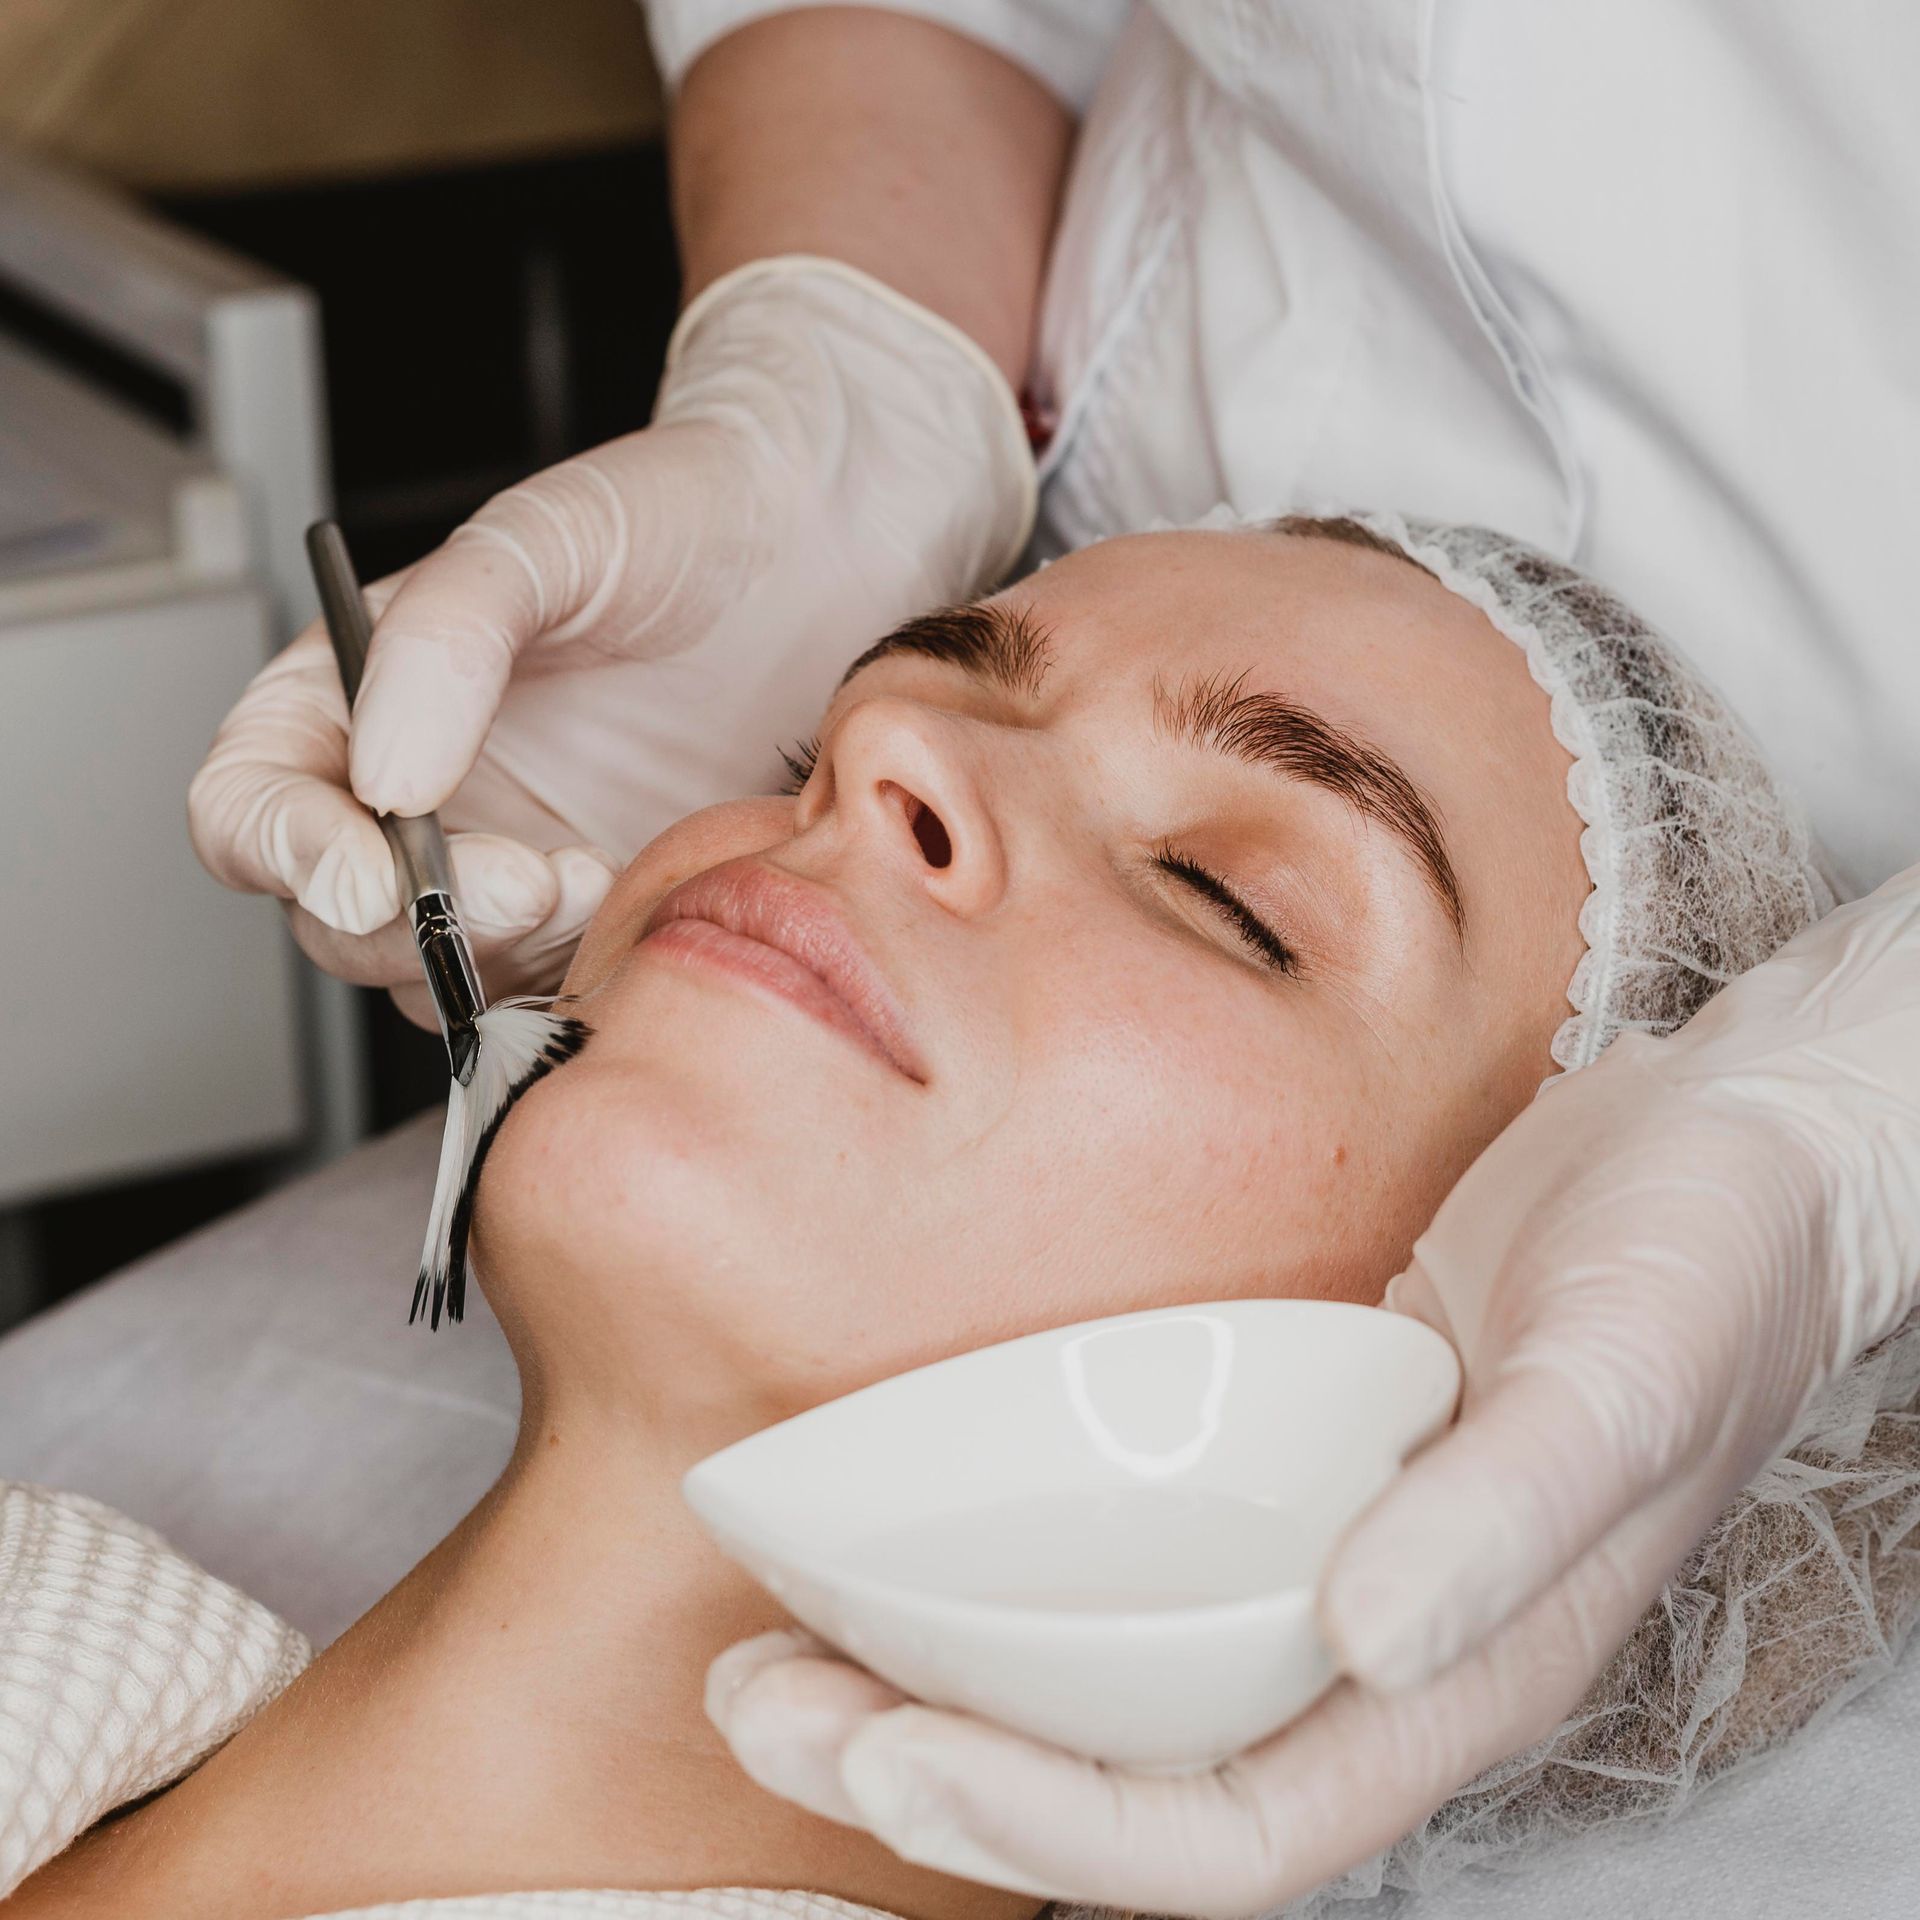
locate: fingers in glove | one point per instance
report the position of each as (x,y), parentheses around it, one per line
(959,1795)
(269,810)
(741,1662)
(509,895)
(787,1706)
(535,963)
(533,561)
(1633,1324)
(928,1784)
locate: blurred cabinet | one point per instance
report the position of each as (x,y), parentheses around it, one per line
(148,1019)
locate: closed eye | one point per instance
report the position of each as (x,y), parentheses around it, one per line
(1254,931)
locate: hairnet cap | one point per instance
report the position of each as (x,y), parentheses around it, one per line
(1701,862)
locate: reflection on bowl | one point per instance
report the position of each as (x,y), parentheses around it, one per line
(1107,1535)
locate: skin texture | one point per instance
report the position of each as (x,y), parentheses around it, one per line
(727,1209)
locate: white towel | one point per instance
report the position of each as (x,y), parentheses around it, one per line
(711,1903)
(121,1664)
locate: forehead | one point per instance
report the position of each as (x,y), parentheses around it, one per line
(1366,632)
(1371,642)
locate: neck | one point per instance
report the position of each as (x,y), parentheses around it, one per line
(522,1712)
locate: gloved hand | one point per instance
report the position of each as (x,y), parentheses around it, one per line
(631,634)
(1652,1276)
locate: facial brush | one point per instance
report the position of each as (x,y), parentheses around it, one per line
(495,1053)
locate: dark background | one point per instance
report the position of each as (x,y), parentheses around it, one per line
(479,324)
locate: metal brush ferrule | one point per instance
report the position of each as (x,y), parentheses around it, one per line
(452,978)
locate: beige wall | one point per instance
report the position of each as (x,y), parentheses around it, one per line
(200,94)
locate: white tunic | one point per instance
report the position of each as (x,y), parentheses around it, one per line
(1638,280)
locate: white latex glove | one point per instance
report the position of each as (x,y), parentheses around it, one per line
(631,634)
(1651,1276)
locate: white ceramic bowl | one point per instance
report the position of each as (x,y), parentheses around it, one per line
(1106,1536)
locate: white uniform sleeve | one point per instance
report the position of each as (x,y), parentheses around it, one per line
(1063,43)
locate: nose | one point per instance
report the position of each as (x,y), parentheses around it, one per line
(906,779)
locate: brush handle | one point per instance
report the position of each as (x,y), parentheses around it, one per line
(419,847)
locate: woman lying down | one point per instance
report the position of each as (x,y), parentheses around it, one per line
(1177,925)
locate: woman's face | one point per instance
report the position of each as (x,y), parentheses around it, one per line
(1178,926)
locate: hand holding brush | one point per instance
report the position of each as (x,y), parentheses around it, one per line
(494,1053)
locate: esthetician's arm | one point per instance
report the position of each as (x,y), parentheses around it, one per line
(864,203)
(1651,1277)
(912,153)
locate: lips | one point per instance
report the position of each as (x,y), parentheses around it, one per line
(787,937)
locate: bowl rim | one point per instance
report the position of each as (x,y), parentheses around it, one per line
(1406,1325)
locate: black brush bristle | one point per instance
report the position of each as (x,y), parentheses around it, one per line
(569,1036)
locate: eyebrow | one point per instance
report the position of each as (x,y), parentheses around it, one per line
(1004,646)
(1268,730)
(1009,649)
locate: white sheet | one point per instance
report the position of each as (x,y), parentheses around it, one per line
(256,1395)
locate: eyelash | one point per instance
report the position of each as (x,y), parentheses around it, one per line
(800,759)
(1248,924)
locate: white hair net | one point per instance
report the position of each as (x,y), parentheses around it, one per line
(1701,864)
(1807,1586)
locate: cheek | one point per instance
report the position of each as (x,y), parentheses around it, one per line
(1181,1136)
